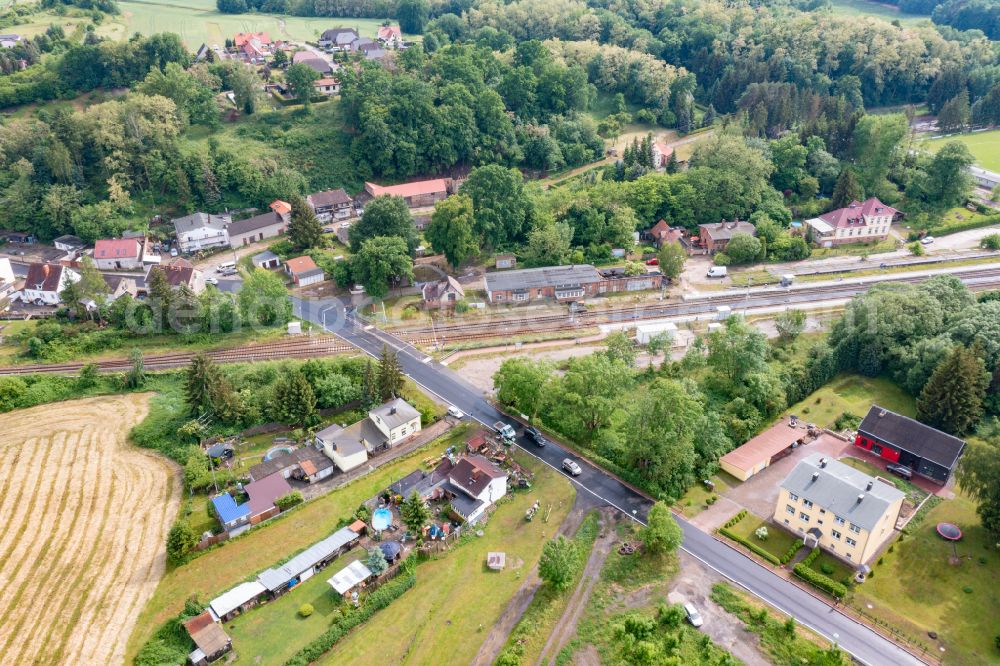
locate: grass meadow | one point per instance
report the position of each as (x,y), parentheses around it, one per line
(984,146)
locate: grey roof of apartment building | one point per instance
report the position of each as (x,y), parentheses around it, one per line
(537,278)
(836,487)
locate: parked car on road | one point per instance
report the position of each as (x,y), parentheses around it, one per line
(693,616)
(211,279)
(927,240)
(455,412)
(535,435)
(900,470)
(717,272)
(571,467)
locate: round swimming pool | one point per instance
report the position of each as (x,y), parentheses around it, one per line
(381,519)
(277,451)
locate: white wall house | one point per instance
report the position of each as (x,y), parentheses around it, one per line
(45,282)
(860,222)
(385,426)
(201,231)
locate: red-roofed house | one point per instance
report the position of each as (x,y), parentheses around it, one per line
(118,254)
(860,222)
(390,35)
(253,47)
(419,194)
(661,154)
(282,208)
(44,283)
(304,271)
(662,233)
(326,86)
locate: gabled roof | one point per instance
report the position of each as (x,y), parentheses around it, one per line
(318,65)
(262,221)
(44,277)
(176,274)
(264,257)
(117,248)
(537,278)
(395,413)
(434,186)
(281,207)
(298,457)
(433,291)
(325,81)
(854,214)
(913,436)
(264,491)
(228,509)
(387,32)
(473,473)
(339,35)
(842,490)
(299,265)
(229,601)
(246,37)
(726,230)
(199,221)
(336,197)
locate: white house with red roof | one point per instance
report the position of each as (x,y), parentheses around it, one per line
(390,35)
(661,155)
(860,222)
(118,254)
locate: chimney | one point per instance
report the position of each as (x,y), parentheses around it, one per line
(822,462)
(815,475)
(882,413)
(45,270)
(861,497)
(392,410)
(869,486)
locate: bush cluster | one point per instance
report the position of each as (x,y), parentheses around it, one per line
(735,519)
(751,545)
(820,581)
(373,603)
(286,502)
(790,553)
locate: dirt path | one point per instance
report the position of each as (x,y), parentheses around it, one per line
(566,627)
(500,631)
(82,544)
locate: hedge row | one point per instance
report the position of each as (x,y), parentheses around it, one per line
(977,223)
(811,557)
(735,519)
(790,553)
(821,581)
(373,603)
(749,544)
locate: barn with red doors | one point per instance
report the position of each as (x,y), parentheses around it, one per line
(900,439)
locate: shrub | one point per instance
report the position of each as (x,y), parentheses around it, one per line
(305,610)
(820,581)
(790,553)
(967,589)
(826,568)
(737,518)
(754,548)
(761,533)
(811,557)
(890,548)
(881,560)
(991,242)
(288,501)
(982,559)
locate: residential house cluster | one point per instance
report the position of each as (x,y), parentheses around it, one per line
(205,231)
(564,283)
(860,222)
(385,427)
(469,485)
(347,40)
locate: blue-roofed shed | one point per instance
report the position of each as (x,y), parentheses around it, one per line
(229,512)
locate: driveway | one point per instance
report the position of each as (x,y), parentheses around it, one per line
(962,240)
(760,492)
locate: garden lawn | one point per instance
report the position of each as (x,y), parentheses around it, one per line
(916,590)
(854,394)
(854,249)
(884,11)
(198,22)
(984,146)
(778,541)
(273,633)
(457,599)
(840,572)
(235,561)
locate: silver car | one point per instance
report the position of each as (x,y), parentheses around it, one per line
(571,467)
(693,616)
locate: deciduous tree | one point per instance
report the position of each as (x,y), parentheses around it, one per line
(662,534)
(451,229)
(385,216)
(381,260)
(558,563)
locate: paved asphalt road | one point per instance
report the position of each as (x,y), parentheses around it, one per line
(861,642)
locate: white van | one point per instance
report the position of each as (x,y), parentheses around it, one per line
(717,271)
(227,266)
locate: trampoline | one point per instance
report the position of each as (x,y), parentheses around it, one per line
(381,519)
(949,531)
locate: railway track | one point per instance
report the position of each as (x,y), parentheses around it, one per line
(979,279)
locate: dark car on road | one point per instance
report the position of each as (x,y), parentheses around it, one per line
(535,435)
(900,470)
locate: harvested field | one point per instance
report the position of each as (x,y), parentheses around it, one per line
(85,521)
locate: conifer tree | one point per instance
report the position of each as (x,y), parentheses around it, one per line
(847,189)
(952,399)
(304,230)
(390,375)
(294,400)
